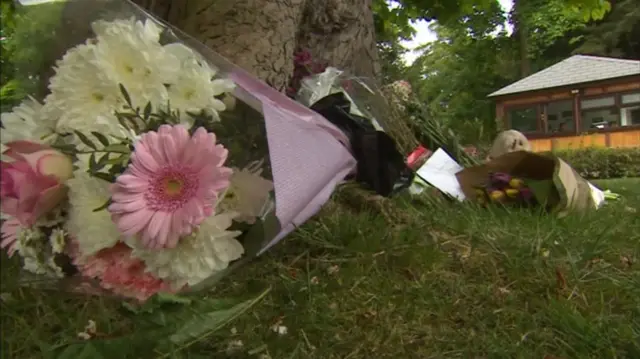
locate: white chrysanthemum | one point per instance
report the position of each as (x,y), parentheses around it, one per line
(36,257)
(26,123)
(196,257)
(248,193)
(195,88)
(93,231)
(129,53)
(58,240)
(149,30)
(84,97)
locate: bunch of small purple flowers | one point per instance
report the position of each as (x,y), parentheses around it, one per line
(303,66)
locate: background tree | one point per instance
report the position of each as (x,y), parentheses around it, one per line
(461,67)
(616,35)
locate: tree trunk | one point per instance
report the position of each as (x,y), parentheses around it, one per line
(521,31)
(262,35)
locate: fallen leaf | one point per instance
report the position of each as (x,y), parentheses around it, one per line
(84,336)
(370,314)
(594,262)
(503,290)
(293,273)
(333,269)
(561,280)
(234,346)
(280,329)
(626,261)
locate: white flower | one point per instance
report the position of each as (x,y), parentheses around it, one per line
(93,231)
(52,219)
(26,123)
(248,194)
(84,98)
(129,53)
(57,239)
(280,329)
(148,30)
(196,257)
(195,88)
(36,257)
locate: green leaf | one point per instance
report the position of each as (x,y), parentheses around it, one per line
(122,120)
(163,298)
(205,323)
(64,148)
(104,176)
(125,94)
(104,206)
(103,140)
(85,139)
(93,164)
(103,161)
(118,148)
(122,159)
(116,169)
(147,111)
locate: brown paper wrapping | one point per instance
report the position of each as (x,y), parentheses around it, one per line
(573,191)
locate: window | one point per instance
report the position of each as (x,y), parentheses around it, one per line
(598,102)
(600,118)
(524,119)
(630,98)
(560,116)
(630,116)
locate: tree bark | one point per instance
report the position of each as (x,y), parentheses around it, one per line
(521,30)
(341,33)
(262,35)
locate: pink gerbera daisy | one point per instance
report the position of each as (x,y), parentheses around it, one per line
(170,186)
(120,273)
(9,235)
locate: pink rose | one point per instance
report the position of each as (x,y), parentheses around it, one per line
(32,184)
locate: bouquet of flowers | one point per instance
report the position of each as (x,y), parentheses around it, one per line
(529,179)
(360,95)
(504,189)
(350,103)
(146,167)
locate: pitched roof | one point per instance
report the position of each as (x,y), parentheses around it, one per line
(574,70)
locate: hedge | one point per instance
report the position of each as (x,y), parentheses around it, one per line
(603,163)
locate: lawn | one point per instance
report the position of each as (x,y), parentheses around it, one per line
(446,281)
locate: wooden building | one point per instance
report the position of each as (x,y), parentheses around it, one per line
(582,101)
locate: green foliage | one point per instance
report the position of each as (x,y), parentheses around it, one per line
(28,32)
(603,163)
(459,70)
(9,87)
(617,34)
(546,22)
(474,54)
(167,324)
(434,133)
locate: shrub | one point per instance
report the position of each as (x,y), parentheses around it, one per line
(603,163)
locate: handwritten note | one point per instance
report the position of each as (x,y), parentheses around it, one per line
(440,171)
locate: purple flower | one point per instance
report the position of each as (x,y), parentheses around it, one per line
(500,179)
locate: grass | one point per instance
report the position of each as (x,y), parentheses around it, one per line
(452,281)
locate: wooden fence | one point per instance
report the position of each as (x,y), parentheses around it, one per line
(609,139)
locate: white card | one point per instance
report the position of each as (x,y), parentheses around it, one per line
(440,171)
